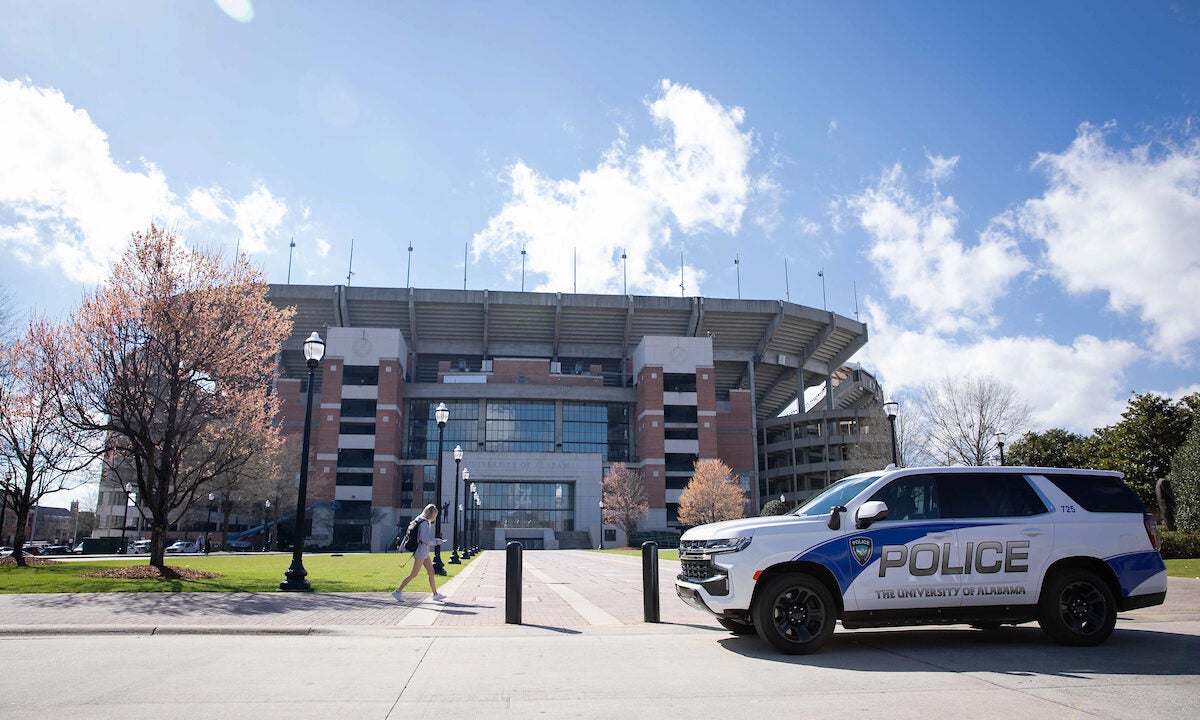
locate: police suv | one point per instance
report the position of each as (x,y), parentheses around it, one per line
(985,546)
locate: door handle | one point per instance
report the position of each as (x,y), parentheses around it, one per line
(1032,533)
(940,535)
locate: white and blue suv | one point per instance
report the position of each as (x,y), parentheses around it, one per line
(984,546)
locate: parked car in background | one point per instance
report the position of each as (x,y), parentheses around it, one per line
(239,545)
(141,547)
(183,546)
(5,551)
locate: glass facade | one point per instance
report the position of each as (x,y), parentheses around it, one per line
(461,429)
(520,427)
(596,428)
(525,505)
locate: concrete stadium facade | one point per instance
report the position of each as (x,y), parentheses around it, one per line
(546,392)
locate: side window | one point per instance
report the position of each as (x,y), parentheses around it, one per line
(988,496)
(910,498)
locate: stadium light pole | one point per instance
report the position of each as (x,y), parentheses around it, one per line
(296,576)
(892,408)
(442,416)
(1000,435)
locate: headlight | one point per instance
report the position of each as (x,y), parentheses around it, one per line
(724,545)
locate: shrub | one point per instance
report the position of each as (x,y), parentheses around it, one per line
(774,507)
(664,538)
(1180,545)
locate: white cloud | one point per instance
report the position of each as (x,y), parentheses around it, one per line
(322,247)
(808,227)
(695,179)
(240,10)
(1077,387)
(915,248)
(940,167)
(1124,222)
(831,128)
(258,216)
(66,202)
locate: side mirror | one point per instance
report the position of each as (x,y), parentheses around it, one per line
(835,517)
(869,512)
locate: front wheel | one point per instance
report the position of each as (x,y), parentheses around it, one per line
(1077,608)
(795,614)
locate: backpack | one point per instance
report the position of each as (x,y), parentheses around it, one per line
(412,536)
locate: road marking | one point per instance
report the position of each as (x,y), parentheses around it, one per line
(586,609)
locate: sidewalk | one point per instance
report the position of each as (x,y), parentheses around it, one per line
(563,590)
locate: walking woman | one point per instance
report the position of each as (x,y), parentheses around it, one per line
(425,541)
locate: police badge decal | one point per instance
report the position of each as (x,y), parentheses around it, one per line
(860,548)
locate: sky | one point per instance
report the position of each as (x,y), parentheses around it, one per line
(1006,189)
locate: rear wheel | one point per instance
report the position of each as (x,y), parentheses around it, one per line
(737,627)
(1077,608)
(795,614)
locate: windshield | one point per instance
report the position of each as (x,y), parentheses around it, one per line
(838,493)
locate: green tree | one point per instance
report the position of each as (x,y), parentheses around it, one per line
(1141,445)
(1054,448)
(1185,482)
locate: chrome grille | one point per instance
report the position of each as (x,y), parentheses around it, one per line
(692,546)
(697,569)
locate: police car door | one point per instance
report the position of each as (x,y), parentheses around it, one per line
(906,556)
(1006,536)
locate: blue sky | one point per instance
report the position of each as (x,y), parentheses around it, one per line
(1001,189)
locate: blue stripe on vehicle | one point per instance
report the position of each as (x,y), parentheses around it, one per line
(1135,568)
(835,554)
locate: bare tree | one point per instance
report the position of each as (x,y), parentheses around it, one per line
(962,414)
(873,450)
(624,494)
(171,361)
(39,452)
(713,494)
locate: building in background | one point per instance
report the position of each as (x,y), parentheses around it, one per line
(545,392)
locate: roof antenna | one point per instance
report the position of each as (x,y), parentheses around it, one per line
(291,247)
(855,284)
(737,267)
(408,274)
(821,274)
(350,270)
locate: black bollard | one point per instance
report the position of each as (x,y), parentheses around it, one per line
(512,583)
(650,581)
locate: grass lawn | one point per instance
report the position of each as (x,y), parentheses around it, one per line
(1183,568)
(671,554)
(365,572)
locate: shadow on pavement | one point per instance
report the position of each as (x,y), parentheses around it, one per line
(1014,651)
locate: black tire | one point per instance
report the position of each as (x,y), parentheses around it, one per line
(737,627)
(795,614)
(1077,608)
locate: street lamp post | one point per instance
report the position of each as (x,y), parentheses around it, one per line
(465,508)
(211,528)
(296,576)
(1000,442)
(892,408)
(478,523)
(125,516)
(454,541)
(472,503)
(601,525)
(442,415)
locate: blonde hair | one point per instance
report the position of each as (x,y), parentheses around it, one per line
(430,511)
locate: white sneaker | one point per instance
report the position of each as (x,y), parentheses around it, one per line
(439,596)
(396,594)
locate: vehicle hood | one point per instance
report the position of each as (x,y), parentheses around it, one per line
(749,526)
